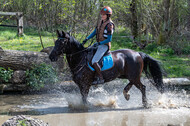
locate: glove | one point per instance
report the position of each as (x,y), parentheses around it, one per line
(95,44)
(84,41)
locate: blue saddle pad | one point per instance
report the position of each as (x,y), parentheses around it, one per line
(107,63)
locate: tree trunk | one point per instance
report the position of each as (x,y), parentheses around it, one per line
(23,60)
(188,19)
(134,25)
(166,18)
(174,18)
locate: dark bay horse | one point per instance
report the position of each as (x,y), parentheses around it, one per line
(128,64)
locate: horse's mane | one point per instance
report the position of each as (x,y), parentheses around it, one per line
(77,44)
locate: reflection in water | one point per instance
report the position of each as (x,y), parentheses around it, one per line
(107,107)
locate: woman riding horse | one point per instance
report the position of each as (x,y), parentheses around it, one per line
(127,63)
(103,32)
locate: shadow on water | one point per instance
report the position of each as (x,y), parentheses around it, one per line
(62,110)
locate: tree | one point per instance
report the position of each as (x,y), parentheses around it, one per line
(161,20)
(134,25)
(188,19)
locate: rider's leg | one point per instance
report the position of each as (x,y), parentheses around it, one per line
(99,79)
(98,55)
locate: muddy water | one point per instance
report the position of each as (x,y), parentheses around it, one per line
(107,107)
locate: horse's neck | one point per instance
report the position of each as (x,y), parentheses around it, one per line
(74,59)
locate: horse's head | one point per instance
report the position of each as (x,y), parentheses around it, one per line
(61,45)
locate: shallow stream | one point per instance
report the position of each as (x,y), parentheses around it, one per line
(107,107)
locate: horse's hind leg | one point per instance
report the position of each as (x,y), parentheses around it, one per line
(125,91)
(142,88)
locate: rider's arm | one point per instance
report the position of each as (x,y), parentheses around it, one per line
(92,34)
(106,40)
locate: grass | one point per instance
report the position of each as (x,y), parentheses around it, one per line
(29,42)
(175,66)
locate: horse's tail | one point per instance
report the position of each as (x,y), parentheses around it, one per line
(153,70)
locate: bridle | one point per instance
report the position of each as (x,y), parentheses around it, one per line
(80,64)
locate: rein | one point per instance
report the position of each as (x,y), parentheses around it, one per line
(78,51)
(80,65)
(72,54)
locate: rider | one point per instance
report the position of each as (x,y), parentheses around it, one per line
(103,32)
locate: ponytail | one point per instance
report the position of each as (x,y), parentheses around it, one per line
(108,16)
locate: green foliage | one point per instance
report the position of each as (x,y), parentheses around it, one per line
(5,74)
(22,123)
(121,39)
(7,33)
(41,75)
(186,50)
(175,66)
(153,47)
(161,39)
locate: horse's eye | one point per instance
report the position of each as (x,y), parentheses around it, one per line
(63,42)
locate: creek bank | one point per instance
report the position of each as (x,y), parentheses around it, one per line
(17,63)
(67,84)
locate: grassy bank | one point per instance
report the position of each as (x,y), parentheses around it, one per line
(29,42)
(175,66)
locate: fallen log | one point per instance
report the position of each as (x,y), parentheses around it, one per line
(23,60)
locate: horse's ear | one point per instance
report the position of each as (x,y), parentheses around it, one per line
(65,34)
(58,33)
(69,32)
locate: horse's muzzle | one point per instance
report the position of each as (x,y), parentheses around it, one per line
(53,58)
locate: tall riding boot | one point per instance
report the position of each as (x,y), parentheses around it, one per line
(99,79)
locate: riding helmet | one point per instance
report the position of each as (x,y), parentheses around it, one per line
(106,10)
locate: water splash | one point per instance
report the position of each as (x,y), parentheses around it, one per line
(106,97)
(172,100)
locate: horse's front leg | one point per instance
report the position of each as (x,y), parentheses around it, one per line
(84,90)
(126,90)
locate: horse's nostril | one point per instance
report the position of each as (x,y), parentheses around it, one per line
(53,59)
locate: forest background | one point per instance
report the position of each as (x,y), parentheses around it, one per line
(160,28)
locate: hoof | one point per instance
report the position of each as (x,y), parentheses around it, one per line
(126,95)
(146,105)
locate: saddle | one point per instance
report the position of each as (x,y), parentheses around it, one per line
(105,62)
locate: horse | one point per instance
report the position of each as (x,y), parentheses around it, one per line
(128,64)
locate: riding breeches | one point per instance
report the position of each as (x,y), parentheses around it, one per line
(99,53)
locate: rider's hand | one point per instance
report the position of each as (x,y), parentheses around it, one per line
(84,41)
(95,44)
